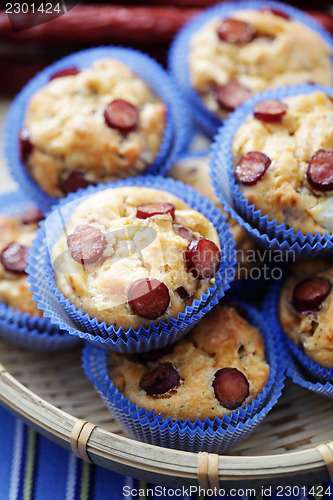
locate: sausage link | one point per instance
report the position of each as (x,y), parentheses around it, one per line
(104,23)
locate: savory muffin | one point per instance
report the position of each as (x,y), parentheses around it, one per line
(133,256)
(194,170)
(17,234)
(248,51)
(219,367)
(283,161)
(306,309)
(91,126)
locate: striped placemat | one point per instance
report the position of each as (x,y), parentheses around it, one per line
(34,468)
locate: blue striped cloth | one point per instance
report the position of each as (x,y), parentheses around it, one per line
(34,468)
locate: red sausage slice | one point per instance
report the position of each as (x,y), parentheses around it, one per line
(320,171)
(271,110)
(234,31)
(73,182)
(14,258)
(160,380)
(86,244)
(147,210)
(309,294)
(275,12)
(25,145)
(148,298)
(183,232)
(231,387)
(32,216)
(251,167)
(121,115)
(65,72)
(232,95)
(203,258)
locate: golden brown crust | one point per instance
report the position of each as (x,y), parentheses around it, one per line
(65,120)
(14,288)
(284,192)
(288,53)
(101,289)
(222,339)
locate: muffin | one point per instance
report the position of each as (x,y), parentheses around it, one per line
(218,368)
(283,161)
(90,126)
(134,256)
(17,234)
(240,53)
(306,310)
(195,172)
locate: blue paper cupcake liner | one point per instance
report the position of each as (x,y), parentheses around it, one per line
(298,365)
(267,233)
(301,377)
(178,124)
(216,435)
(66,316)
(20,328)
(48,339)
(178,55)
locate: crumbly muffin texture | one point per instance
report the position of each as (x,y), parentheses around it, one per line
(69,135)
(282,52)
(284,192)
(14,288)
(137,249)
(223,339)
(195,172)
(312,331)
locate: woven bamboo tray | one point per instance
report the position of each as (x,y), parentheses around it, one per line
(51,392)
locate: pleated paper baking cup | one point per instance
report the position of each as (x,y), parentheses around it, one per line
(178,56)
(216,435)
(48,338)
(178,124)
(301,377)
(298,362)
(102,382)
(63,313)
(23,329)
(266,232)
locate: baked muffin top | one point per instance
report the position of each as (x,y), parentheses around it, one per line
(17,234)
(283,161)
(219,367)
(133,256)
(306,309)
(250,51)
(95,125)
